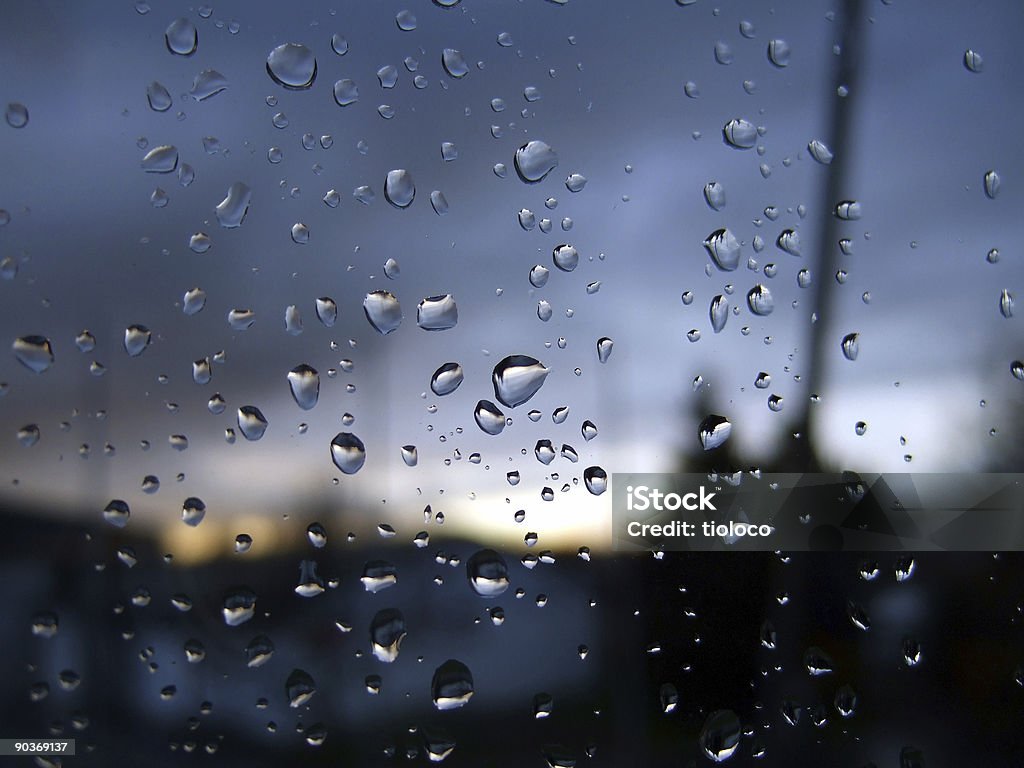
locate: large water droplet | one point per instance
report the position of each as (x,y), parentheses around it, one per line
(850,346)
(487,572)
(452,685)
(820,151)
(992,183)
(719,312)
(387,629)
(739,133)
(604,349)
(310,584)
(34,352)
(383,311)
(299,687)
(181,37)
(446,379)
(535,160)
(292,65)
(399,189)
(488,417)
(346,92)
(760,300)
(713,431)
(162,159)
(348,452)
(378,575)
(437,313)
(136,339)
(454,63)
(252,422)
(596,480)
(232,209)
(724,249)
(539,276)
(720,736)
(159,98)
(304,382)
(517,378)
(566,257)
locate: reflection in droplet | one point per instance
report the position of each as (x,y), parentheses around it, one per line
(596,480)
(535,160)
(292,65)
(720,736)
(299,687)
(193,511)
(117,513)
(760,300)
(136,339)
(850,346)
(604,349)
(348,452)
(719,312)
(566,257)
(446,379)
(517,378)
(383,311)
(239,606)
(789,241)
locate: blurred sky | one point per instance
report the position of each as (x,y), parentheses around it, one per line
(93,253)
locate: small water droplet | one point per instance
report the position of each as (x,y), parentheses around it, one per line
(789,241)
(848,210)
(714,195)
(604,349)
(208,83)
(992,183)
(299,687)
(973,61)
(399,189)
(851,346)
(193,511)
(720,736)
(158,97)
(719,312)
(596,480)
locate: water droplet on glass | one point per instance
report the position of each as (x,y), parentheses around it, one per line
(208,83)
(304,382)
(299,687)
(723,53)
(387,630)
(439,202)
(789,241)
(739,133)
(292,65)
(488,417)
(383,311)
(760,300)
(604,349)
(452,685)
(232,209)
(202,373)
(517,378)
(181,37)
(720,735)
(199,242)
(239,606)
(724,249)
(575,182)
(162,159)
(348,452)
(346,92)
(820,152)
(719,312)
(487,572)
(159,98)
(251,422)
(714,195)
(117,513)
(973,61)
(241,319)
(378,575)
(775,403)
(535,160)
(28,435)
(399,189)
(566,257)
(850,346)
(778,53)
(713,431)
(34,352)
(454,63)
(446,379)
(339,44)
(437,313)
(410,455)
(817,662)
(327,311)
(193,511)
(848,210)
(992,183)
(596,480)
(1017,369)
(136,339)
